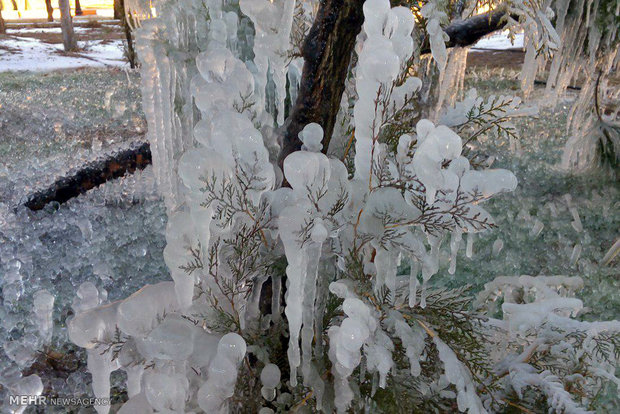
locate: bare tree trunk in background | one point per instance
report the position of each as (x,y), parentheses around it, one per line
(78,8)
(66,23)
(130,52)
(132,57)
(120,14)
(50,10)
(119,9)
(2,25)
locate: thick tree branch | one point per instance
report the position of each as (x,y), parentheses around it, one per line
(92,175)
(469,31)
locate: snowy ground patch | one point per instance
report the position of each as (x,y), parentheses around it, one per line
(499,41)
(28,54)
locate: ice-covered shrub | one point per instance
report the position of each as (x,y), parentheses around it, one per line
(347,251)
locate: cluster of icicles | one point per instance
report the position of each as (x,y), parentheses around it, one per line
(174,364)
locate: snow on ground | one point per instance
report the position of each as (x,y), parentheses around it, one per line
(28,54)
(499,41)
(30,30)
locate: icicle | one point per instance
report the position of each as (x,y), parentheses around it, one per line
(272,22)
(101,366)
(307,331)
(536,229)
(318,236)
(455,243)
(413,281)
(296,273)
(553,209)
(386,263)
(430,266)
(276,289)
(498,245)
(469,252)
(451,79)
(43,307)
(379,64)
(576,223)
(574,257)
(437,37)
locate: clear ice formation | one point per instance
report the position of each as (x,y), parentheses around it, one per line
(213,165)
(63,260)
(233,135)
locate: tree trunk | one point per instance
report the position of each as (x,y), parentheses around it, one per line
(66,23)
(327,52)
(2,25)
(132,57)
(78,8)
(119,9)
(50,10)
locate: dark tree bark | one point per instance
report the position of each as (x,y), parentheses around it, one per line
(66,23)
(327,52)
(50,10)
(78,8)
(92,175)
(469,31)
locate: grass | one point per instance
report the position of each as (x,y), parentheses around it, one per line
(542,195)
(49,114)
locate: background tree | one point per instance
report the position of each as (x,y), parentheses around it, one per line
(66,24)
(2,24)
(128,26)
(119,9)
(50,10)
